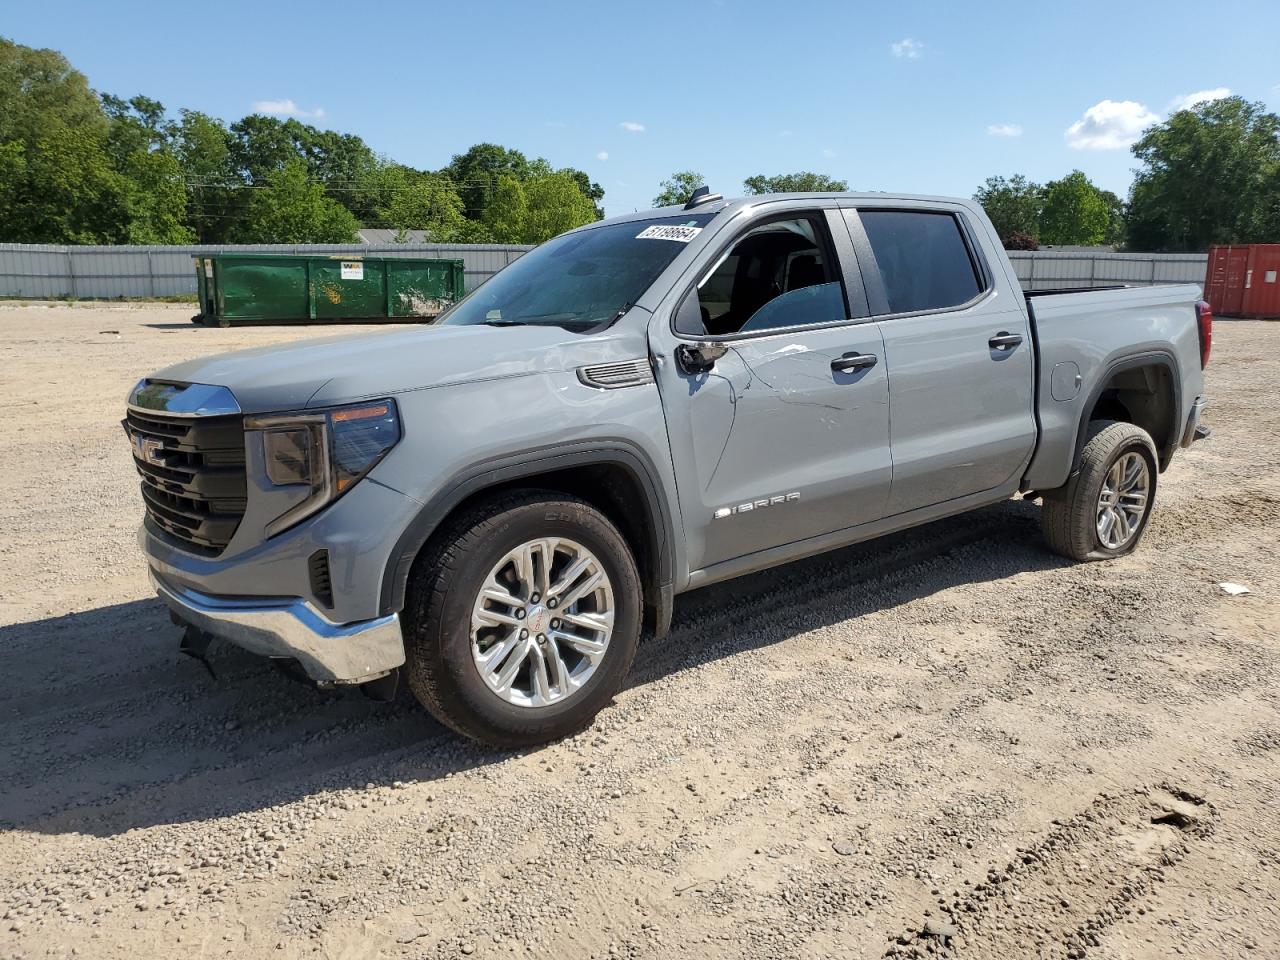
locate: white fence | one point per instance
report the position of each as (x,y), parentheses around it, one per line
(38,271)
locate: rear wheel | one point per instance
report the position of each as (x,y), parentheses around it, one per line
(523,620)
(1103,509)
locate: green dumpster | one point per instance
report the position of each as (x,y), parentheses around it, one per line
(276,288)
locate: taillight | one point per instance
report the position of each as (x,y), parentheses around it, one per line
(1204,320)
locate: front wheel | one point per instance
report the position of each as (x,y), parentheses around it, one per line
(523,619)
(1103,509)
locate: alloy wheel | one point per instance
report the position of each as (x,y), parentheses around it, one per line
(541,622)
(1123,501)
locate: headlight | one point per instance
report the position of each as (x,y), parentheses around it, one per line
(327,451)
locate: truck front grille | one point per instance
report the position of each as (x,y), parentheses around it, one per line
(193,475)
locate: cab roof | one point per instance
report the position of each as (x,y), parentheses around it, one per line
(735,204)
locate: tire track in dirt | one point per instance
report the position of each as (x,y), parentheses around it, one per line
(1061,895)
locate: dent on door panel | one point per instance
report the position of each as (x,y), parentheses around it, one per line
(776,421)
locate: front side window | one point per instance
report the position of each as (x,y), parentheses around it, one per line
(923,259)
(777,275)
(580,280)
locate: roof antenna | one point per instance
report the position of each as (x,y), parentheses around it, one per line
(702,195)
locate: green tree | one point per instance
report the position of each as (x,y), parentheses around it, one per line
(803,182)
(216,198)
(140,140)
(79,168)
(1208,175)
(135,125)
(13,172)
(1117,214)
(39,88)
(342,162)
(59,183)
(506,211)
(476,174)
(536,209)
(291,208)
(262,146)
(431,204)
(1075,212)
(380,185)
(555,204)
(678,188)
(473,231)
(1265,221)
(70,192)
(155,199)
(1014,206)
(590,189)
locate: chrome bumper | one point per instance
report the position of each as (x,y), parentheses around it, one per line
(288,627)
(1195,430)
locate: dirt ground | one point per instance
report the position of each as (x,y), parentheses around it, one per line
(949,742)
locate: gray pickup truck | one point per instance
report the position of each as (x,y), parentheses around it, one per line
(498,505)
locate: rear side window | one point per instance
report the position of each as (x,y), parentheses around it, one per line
(923,259)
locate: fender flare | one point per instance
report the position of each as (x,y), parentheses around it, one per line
(1160,358)
(530,463)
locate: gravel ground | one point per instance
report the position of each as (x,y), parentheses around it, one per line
(947,742)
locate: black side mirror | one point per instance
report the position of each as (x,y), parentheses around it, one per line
(695,358)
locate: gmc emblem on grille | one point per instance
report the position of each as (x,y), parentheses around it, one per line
(148,450)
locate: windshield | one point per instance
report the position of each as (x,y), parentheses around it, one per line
(580,280)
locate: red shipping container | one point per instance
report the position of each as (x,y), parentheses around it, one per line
(1243,280)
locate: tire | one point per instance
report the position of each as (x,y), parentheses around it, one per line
(443,646)
(1071,517)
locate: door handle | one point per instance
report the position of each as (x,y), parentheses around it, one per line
(850,362)
(1004,340)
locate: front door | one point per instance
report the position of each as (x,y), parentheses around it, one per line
(779,424)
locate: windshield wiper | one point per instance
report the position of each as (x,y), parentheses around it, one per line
(566,319)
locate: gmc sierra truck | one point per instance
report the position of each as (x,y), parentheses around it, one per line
(496,506)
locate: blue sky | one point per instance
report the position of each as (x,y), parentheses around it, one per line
(901,96)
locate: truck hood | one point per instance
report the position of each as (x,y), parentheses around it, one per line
(359,366)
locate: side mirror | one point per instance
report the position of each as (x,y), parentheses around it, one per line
(695,358)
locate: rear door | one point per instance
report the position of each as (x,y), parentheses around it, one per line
(785,435)
(958,349)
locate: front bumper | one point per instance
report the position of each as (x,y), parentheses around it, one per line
(291,627)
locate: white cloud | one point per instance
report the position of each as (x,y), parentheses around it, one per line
(286,108)
(786,133)
(828,152)
(908,48)
(1005,129)
(631,126)
(1110,125)
(1202,96)
(602,155)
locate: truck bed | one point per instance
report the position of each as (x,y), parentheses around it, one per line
(1079,336)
